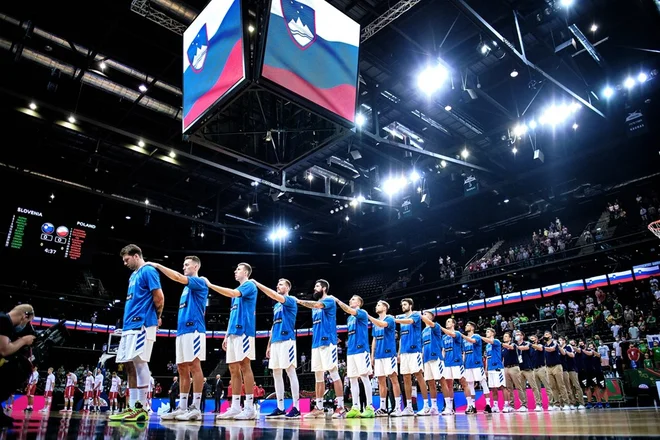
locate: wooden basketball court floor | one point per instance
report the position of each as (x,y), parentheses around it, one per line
(610,423)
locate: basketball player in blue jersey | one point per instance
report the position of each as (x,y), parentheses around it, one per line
(474,365)
(358,361)
(410,355)
(433,360)
(324,348)
(496,379)
(142,316)
(190,336)
(281,350)
(452,345)
(239,343)
(383,353)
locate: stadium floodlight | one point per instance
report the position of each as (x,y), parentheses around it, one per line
(432,78)
(279,234)
(393,185)
(520,130)
(629,83)
(360,119)
(642,77)
(414,176)
(608,92)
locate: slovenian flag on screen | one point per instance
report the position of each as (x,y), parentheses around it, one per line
(572,286)
(460,307)
(494,301)
(312,51)
(443,311)
(642,273)
(212,57)
(595,282)
(621,277)
(476,304)
(552,290)
(510,298)
(528,295)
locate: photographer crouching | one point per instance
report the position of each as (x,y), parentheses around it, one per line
(15,356)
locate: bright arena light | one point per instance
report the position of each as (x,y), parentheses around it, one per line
(279,234)
(465,153)
(608,92)
(432,78)
(557,114)
(566,3)
(414,176)
(354,203)
(520,130)
(393,185)
(360,120)
(629,83)
(361,198)
(642,77)
(532,124)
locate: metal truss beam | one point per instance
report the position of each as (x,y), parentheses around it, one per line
(480,22)
(143,8)
(385,19)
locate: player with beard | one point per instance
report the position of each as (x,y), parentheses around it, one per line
(239,343)
(410,355)
(452,344)
(324,348)
(474,364)
(358,361)
(281,350)
(142,317)
(383,353)
(433,360)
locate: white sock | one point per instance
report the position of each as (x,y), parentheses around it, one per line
(295,386)
(236,402)
(197,400)
(471,388)
(319,404)
(340,402)
(470,401)
(448,403)
(367,390)
(279,388)
(355,391)
(132,397)
(142,395)
(408,403)
(434,403)
(397,403)
(484,387)
(249,402)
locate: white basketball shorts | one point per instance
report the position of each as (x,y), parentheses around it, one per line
(454,373)
(283,354)
(385,366)
(240,347)
(496,378)
(474,374)
(190,346)
(358,365)
(411,363)
(136,345)
(432,370)
(324,358)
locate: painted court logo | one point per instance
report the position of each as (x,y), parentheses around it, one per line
(198,50)
(301,22)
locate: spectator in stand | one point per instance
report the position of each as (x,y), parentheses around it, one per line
(656,354)
(633,331)
(633,355)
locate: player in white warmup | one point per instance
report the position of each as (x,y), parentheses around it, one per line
(190,337)
(142,312)
(281,350)
(89,391)
(32,388)
(98,389)
(115,383)
(69,391)
(48,391)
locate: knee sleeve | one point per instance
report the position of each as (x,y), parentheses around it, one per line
(142,373)
(334,375)
(319,376)
(277,373)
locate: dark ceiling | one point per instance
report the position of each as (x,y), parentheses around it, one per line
(197,186)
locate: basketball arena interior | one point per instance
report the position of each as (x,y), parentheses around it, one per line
(378,219)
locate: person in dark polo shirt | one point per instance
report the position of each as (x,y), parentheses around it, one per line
(573,388)
(511,360)
(527,369)
(555,372)
(537,355)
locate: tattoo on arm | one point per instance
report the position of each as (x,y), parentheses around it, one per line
(345,307)
(308,304)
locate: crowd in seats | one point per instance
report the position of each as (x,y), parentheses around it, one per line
(449,268)
(648,208)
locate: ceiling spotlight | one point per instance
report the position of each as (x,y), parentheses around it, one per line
(354,203)
(172,154)
(448,107)
(629,83)
(146,201)
(33,106)
(566,3)
(102,66)
(642,77)
(514,150)
(279,234)
(52,196)
(361,249)
(575,126)
(594,27)
(506,200)
(128,217)
(250,28)
(419,190)
(72,119)
(141,143)
(414,176)
(360,119)
(310,177)
(520,130)
(483,49)
(248,209)
(347,218)
(269,136)
(166,256)
(432,78)
(201,235)
(608,92)
(443,163)
(532,124)
(142,88)
(361,198)
(465,153)
(112,227)
(514,73)
(334,255)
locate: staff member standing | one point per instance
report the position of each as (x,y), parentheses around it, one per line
(511,360)
(527,369)
(574,390)
(219,393)
(555,372)
(537,355)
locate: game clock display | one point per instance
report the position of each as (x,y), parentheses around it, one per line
(36,232)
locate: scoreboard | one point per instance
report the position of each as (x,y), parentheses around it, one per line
(56,236)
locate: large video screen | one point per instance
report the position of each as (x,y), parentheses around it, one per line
(212,58)
(312,51)
(35,232)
